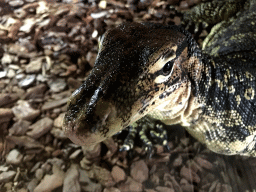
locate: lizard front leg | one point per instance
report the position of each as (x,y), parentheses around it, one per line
(150,132)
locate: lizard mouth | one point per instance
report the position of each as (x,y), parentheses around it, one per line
(77,134)
(91,128)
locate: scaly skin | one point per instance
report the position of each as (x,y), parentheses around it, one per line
(151,71)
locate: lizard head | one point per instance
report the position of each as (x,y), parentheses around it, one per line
(139,67)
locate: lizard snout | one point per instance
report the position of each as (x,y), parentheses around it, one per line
(92,124)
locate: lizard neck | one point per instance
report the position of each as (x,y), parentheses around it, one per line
(227,90)
(200,80)
(204,82)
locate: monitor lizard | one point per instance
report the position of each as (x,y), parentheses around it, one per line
(146,72)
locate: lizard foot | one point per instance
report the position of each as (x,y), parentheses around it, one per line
(149,134)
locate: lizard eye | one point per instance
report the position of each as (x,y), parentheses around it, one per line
(167,67)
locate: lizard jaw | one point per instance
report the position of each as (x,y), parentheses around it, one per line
(89,129)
